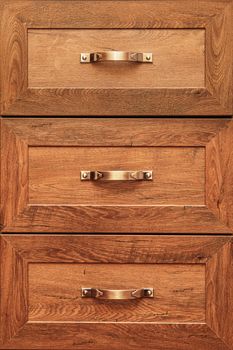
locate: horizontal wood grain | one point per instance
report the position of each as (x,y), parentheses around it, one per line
(109,219)
(97,336)
(124,249)
(98,14)
(55,292)
(116,131)
(178,175)
(117,102)
(54,58)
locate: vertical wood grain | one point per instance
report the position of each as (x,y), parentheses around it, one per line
(1,33)
(218,38)
(219,289)
(13,58)
(14,181)
(13,297)
(1,174)
(219,175)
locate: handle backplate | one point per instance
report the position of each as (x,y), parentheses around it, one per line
(117,294)
(140,57)
(116,175)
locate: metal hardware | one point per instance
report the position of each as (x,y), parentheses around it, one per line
(117,294)
(117,175)
(141,57)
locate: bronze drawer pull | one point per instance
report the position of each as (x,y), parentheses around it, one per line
(117,175)
(117,294)
(91,57)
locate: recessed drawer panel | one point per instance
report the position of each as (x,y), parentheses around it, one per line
(178,58)
(178,175)
(142,175)
(120,58)
(55,292)
(67,291)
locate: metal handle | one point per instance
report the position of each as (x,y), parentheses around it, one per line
(117,175)
(141,57)
(118,294)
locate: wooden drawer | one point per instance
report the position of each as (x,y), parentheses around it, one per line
(189,70)
(42,307)
(191,190)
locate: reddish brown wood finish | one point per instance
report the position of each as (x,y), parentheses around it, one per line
(21,17)
(18,214)
(213,253)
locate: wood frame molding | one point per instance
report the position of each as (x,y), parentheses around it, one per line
(17,251)
(216,135)
(213,16)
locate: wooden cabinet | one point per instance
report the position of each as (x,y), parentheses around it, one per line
(191,190)
(185,45)
(42,277)
(111,152)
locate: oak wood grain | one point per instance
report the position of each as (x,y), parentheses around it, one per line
(110,219)
(48,255)
(133,134)
(116,131)
(97,336)
(215,17)
(178,175)
(112,249)
(54,58)
(13,287)
(219,175)
(1,19)
(14,175)
(1,173)
(220,293)
(13,57)
(133,102)
(55,292)
(222,89)
(98,14)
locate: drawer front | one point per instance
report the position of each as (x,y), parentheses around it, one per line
(117,175)
(92,58)
(42,304)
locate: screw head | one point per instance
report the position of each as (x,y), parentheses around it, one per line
(148,175)
(148,58)
(85,292)
(148,292)
(84,175)
(84,57)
